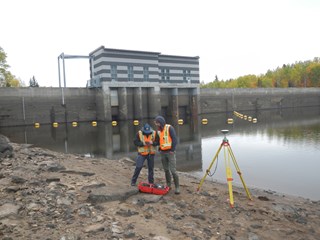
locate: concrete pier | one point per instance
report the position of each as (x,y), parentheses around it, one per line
(174,105)
(154,102)
(138,100)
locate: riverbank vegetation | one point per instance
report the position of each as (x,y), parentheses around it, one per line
(299,74)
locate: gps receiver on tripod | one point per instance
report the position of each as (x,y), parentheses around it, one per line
(228,156)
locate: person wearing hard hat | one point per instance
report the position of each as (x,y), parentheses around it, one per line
(146,141)
(167,147)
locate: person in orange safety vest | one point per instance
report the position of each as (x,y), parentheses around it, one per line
(146,141)
(167,147)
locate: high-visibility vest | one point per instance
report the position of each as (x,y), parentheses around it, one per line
(147,149)
(165,138)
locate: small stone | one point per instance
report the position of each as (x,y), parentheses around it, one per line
(94,228)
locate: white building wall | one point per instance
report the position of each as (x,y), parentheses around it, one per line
(125,60)
(168,65)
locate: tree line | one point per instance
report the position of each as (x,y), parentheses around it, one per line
(7,79)
(299,74)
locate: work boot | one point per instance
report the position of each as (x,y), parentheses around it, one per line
(176,184)
(177,191)
(168,179)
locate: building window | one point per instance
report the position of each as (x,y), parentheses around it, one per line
(130,73)
(186,75)
(167,74)
(113,72)
(145,73)
(162,75)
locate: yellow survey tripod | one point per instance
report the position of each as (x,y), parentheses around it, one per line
(228,154)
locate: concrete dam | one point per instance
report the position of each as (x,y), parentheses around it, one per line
(27,106)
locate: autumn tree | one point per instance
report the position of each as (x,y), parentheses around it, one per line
(265,82)
(3,67)
(7,79)
(313,73)
(247,81)
(299,74)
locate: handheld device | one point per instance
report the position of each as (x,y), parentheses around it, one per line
(225,131)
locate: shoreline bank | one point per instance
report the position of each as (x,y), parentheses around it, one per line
(45,194)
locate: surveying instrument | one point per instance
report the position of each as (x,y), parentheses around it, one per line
(228,156)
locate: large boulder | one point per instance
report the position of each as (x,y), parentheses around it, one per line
(6,149)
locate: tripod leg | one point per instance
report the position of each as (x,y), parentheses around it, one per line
(208,170)
(239,172)
(229,177)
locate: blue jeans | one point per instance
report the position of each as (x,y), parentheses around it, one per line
(139,164)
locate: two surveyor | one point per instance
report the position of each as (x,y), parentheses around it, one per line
(146,141)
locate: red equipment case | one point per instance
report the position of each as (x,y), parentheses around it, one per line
(153,188)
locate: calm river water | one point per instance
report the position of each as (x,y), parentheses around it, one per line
(280,152)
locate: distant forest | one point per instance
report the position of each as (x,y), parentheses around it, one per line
(299,74)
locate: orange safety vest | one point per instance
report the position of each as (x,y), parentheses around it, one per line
(165,138)
(147,149)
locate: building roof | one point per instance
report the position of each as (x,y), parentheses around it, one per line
(139,52)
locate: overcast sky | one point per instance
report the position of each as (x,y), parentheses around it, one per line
(232,38)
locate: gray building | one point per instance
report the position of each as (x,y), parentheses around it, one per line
(119,66)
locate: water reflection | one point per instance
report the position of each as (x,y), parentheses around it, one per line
(105,140)
(280,152)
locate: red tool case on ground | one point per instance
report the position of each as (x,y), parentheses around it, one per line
(153,188)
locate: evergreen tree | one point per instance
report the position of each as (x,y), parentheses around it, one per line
(33,82)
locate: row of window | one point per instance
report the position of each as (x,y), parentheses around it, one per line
(165,73)
(130,73)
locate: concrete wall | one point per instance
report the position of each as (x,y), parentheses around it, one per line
(224,100)
(25,106)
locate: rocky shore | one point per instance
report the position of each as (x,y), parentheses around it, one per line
(50,195)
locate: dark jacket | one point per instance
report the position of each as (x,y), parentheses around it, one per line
(172,132)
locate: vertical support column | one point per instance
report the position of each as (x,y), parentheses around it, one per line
(123,103)
(124,138)
(195,111)
(106,102)
(154,100)
(137,99)
(194,101)
(174,105)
